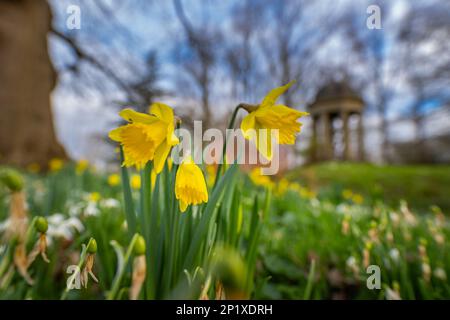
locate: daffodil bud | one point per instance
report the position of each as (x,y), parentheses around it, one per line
(41,224)
(139,246)
(92,246)
(11,179)
(229,268)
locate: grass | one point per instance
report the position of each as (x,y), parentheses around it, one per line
(277,242)
(420,185)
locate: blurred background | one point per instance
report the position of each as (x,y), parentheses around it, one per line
(376,95)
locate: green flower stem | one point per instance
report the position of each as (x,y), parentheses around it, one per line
(146,198)
(79,266)
(118,278)
(309,284)
(30,230)
(224,150)
(128,199)
(146,211)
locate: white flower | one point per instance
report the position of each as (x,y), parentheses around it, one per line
(91,209)
(76,209)
(59,227)
(394,254)
(110,203)
(440,274)
(55,219)
(351,262)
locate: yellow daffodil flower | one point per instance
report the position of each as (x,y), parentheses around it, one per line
(190,185)
(357,198)
(55,164)
(82,165)
(135,181)
(94,196)
(259,179)
(113,180)
(146,137)
(271,117)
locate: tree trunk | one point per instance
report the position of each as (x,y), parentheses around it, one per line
(27,78)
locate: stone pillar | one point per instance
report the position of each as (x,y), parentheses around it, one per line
(360,138)
(345,135)
(313,149)
(327,136)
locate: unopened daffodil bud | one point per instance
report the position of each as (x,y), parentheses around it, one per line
(41,224)
(11,179)
(139,246)
(92,246)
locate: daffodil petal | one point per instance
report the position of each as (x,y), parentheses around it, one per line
(273,95)
(247,124)
(190,185)
(115,134)
(160,156)
(133,116)
(264,143)
(162,111)
(183,206)
(282,118)
(172,139)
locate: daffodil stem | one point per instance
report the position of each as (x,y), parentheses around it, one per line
(118,279)
(224,150)
(128,199)
(146,208)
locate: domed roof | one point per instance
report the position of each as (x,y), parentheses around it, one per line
(336,90)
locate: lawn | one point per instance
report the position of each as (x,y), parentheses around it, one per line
(420,185)
(310,235)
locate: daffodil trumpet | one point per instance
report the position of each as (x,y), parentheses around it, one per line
(190,185)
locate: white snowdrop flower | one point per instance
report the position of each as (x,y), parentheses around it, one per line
(91,209)
(440,274)
(76,209)
(2,249)
(351,262)
(315,202)
(55,219)
(75,223)
(394,254)
(59,227)
(110,203)
(342,208)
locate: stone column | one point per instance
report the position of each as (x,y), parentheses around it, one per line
(345,135)
(360,138)
(327,136)
(314,150)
